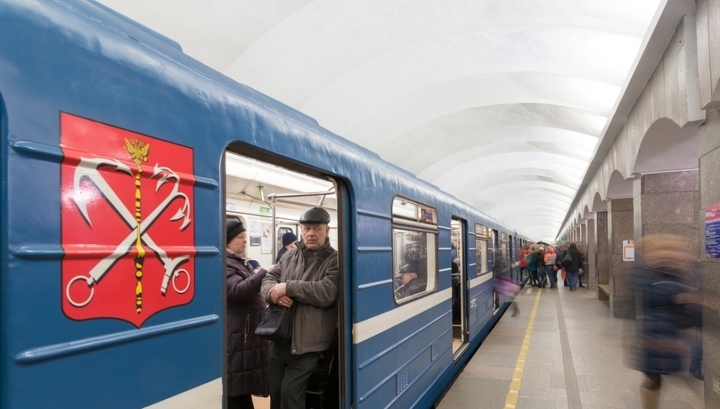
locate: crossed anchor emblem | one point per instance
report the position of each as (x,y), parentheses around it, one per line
(87,170)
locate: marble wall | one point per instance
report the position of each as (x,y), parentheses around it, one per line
(620,227)
(601,240)
(665,203)
(590,275)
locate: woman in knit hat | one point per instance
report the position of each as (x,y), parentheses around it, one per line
(248,356)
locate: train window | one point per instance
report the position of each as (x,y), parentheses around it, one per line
(481,250)
(482,230)
(482,261)
(504,247)
(413,214)
(414,250)
(495,251)
(456,244)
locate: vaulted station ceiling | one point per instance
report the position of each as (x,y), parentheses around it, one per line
(500,103)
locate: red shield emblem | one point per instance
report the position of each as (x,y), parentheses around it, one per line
(127,223)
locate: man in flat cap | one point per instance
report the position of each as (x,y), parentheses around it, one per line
(306,275)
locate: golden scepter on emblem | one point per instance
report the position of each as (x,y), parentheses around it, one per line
(138,152)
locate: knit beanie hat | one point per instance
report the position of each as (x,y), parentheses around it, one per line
(233,227)
(288,238)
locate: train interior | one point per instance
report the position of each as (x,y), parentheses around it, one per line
(459,284)
(269,199)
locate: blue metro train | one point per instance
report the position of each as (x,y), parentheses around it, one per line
(114,195)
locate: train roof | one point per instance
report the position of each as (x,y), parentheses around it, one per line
(108,33)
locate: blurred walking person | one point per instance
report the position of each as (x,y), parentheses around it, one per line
(508,290)
(663,295)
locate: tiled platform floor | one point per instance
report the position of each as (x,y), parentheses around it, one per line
(574,360)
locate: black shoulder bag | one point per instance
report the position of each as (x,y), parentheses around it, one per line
(277,322)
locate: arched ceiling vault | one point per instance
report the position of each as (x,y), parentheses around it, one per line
(502,104)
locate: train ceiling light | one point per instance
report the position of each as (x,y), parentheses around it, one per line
(263,173)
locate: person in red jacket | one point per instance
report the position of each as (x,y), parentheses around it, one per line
(524,253)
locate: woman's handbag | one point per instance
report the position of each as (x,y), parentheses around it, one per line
(277,322)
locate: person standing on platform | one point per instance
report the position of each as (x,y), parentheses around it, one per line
(248,356)
(550,268)
(581,270)
(523,261)
(573,267)
(564,271)
(315,322)
(533,267)
(541,272)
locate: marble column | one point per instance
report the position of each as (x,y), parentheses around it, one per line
(620,227)
(709,152)
(665,203)
(602,254)
(590,275)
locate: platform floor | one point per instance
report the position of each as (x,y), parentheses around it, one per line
(573,358)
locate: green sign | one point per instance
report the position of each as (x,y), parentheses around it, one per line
(264,210)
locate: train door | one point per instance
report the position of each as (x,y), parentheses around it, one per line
(269,196)
(496,268)
(520,250)
(514,272)
(459,285)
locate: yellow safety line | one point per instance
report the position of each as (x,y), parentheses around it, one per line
(512,396)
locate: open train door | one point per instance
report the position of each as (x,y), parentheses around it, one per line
(458,233)
(270,193)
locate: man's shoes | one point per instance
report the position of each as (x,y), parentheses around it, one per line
(581,286)
(698,375)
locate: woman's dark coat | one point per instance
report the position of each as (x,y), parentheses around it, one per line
(248,356)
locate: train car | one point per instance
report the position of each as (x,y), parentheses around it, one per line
(122,158)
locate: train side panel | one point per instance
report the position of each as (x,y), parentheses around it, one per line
(70,206)
(112,284)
